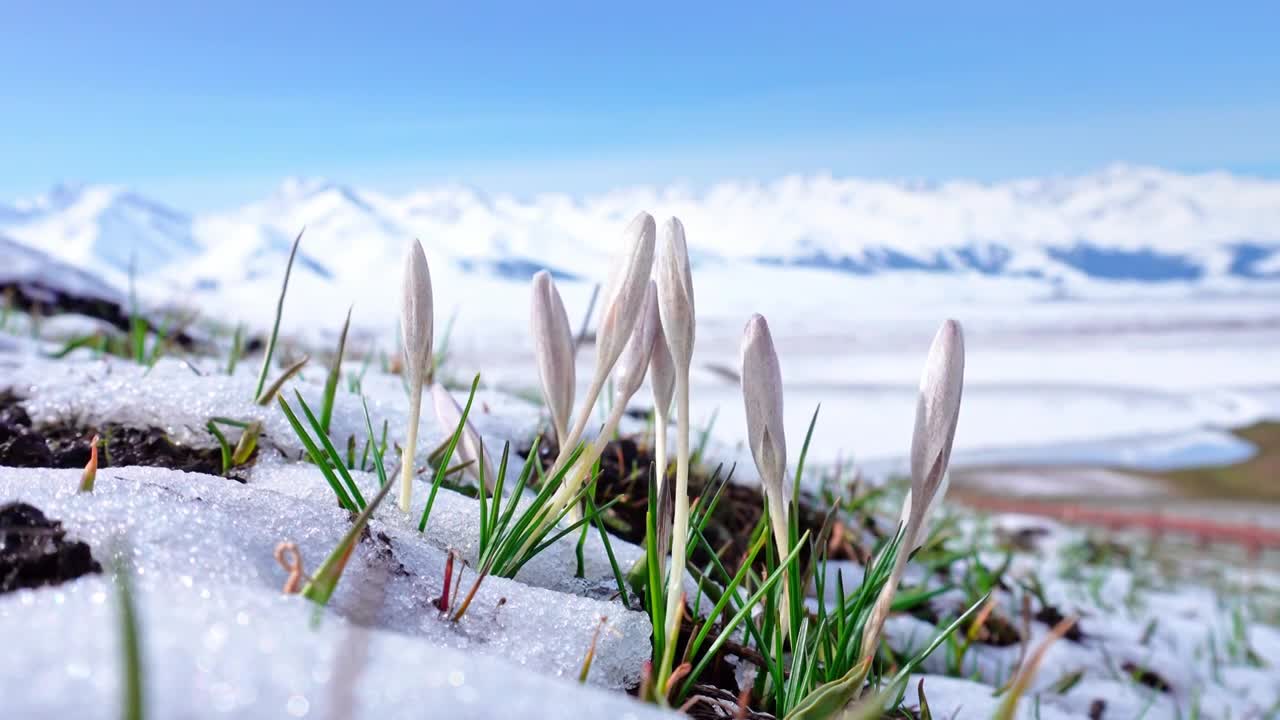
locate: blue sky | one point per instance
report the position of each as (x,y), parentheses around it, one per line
(210,104)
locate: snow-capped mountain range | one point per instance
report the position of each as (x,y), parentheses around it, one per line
(1132,227)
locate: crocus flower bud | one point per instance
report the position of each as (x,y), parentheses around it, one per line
(415,315)
(470,448)
(662,373)
(675,294)
(762,392)
(553,347)
(937,412)
(625,294)
(629,373)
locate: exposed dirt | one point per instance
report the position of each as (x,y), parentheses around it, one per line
(624,469)
(39,299)
(34,550)
(1051,616)
(996,629)
(22,444)
(1148,677)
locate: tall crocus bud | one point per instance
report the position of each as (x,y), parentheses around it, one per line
(629,373)
(675,306)
(553,347)
(416,321)
(675,295)
(623,301)
(416,317)
(624,294)
(470,448)
(628,377)
(937,413)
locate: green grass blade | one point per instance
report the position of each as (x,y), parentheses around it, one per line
(334,457)
(335,374)
(223,445)
(237,348)
(596,515)
(130,643)
(321,587)
(270,393)
(275,329)
(726,596)
(316,455)
(804,450)
(733,623)
(442,469)
(378,455)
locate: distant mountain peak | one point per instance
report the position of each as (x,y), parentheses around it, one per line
(1125,223)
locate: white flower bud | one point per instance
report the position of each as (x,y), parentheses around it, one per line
(625,293)
(937,413)
(470,448)
(675,294)
(762,393)
(629,373)
(553,347)
(416,318)
(662,373)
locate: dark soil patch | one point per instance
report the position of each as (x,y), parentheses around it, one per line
(41,300)
(1025,539)
(1051,616)
(34,550)
(68,446)
(1146,676)
(996,630)
(624,473)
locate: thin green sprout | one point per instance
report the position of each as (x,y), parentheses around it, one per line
(275,328)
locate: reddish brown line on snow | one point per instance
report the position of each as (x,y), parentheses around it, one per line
(1252,537)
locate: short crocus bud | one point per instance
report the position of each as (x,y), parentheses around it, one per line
(470,449)
(937,413)
(625,294)
(416,326)
(629,373)
(416,318)
(762,392)
(662,373)
(553,347)
(675,294)
(662,378)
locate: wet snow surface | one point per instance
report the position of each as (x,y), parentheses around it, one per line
(221,640)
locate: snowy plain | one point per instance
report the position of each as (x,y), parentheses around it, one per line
(1129,374)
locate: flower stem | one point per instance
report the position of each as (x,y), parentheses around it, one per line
(679,528)
(778,519)
(410,446)
(660,445)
